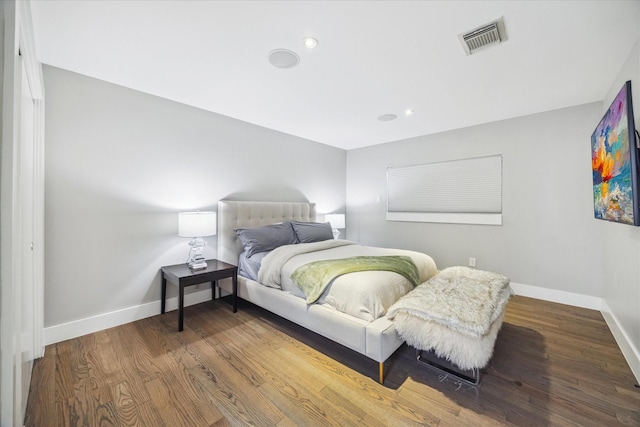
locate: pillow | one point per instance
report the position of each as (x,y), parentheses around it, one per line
(266,238)
(308,232)
(249,266)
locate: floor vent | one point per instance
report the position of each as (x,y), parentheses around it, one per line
(486,35)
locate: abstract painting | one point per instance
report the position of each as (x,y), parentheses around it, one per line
(613,162)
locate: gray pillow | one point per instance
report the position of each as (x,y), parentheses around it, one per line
(266,238)
(308,232)
(249,266)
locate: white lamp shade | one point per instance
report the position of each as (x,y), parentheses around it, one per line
(336,220)
(196,224)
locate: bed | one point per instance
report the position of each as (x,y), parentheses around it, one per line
(365,330)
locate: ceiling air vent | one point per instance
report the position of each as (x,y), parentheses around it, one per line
(486,35)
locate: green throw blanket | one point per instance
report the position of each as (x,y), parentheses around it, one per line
(313,278)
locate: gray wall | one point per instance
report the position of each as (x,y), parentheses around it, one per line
(621,244)
(121,164)
(549,237)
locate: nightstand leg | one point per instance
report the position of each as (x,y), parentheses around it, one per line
(214,285)
(235,293)
(164,295)
(181,309)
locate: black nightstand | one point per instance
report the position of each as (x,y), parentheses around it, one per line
(182,276)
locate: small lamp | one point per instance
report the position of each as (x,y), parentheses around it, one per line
(196,225)
(336,221)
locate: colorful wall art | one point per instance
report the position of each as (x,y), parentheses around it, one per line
(614,163)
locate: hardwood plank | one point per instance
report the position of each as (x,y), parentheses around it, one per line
(135,380)
(126,406)
(64,378)
(178,360)
(287,422)
(321,372)
(42,392)
(552,365)
(237,407)
(102,356)
(160,397)
(438,404)
(93,403)
(337,401)
(149,414)
(217,366)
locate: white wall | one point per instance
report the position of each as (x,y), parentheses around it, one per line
(621,244)
(549,238)
(121,164)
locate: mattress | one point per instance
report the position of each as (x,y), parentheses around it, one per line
(366,295)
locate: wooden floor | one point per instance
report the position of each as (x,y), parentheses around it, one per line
(552,365)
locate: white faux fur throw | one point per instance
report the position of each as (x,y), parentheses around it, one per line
(465,351)
(460,298)
(457,313)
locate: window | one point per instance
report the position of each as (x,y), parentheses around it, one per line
(465,191)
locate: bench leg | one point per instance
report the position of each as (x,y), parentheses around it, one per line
(381,372)
(471,376)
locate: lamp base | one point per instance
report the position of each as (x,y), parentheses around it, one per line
(196,260)
(336,233)
(200,265)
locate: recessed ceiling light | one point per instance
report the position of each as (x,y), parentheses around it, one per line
(283,58)
(387,117)
(310,42)
(408,112)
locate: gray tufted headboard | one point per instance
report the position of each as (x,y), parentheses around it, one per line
(233,214)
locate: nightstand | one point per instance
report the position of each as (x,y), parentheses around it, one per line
(182,276)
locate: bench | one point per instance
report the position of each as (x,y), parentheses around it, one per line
(453,319)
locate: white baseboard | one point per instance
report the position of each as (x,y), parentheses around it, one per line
(562,297)
(630,353)
(66,331)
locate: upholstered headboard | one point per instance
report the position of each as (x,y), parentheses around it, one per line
(232,214)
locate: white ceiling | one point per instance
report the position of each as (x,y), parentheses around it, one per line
(373,58)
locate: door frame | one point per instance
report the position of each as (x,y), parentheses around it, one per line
(18,49)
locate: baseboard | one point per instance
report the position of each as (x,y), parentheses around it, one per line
(66,331)
(630,353)
(77,328)
(562,297)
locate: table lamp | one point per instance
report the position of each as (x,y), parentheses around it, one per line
(336,221)
(196,225)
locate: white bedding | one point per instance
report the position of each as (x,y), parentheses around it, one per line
(365,295)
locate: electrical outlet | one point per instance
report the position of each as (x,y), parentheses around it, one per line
(472,262)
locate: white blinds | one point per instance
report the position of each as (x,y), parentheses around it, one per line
(461,191)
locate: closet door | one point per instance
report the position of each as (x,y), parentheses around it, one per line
(26,218)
